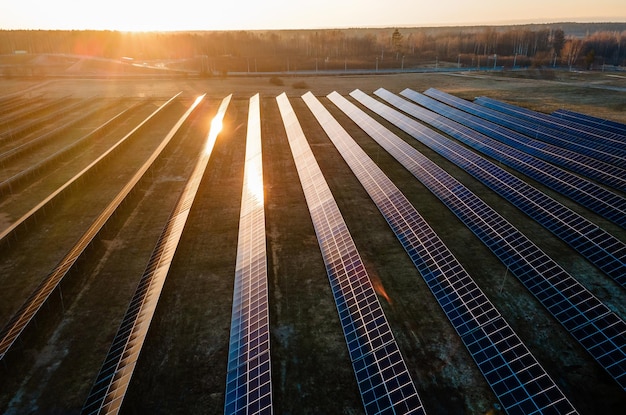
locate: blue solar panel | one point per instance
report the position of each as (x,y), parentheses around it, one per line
(570,131)
(570,160)
(248,379)
(568,301)
(248,387)
(601,248)
(382,376)
(475,319)
(585,119)
(531,129)
(581,162)
(600,338)
(595,197)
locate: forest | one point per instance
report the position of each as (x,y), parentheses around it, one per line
(566,45)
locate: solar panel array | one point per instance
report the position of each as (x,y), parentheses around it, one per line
(517,379)
(10,184)
(587,193)
(593,149)
(580,133)
(248,379)
(601,248)
(382,376)
(570,303)
(108,391)
(577,160)
(585,119)
(31,213)
(34,303)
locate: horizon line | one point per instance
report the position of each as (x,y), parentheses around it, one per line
(521,22)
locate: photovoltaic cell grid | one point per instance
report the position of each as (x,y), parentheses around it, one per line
(598,246)
(573,131)
(8,183)
(522,386)
(613,175)
(568,301)
(248,379)
(32,124)
(24,316)
(587,193)
(593,149)
(585,119)
(112,381)
(382,376)
(7,231)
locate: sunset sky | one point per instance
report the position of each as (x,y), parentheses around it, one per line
(290,14)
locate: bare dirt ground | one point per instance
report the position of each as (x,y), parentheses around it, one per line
(182,367)
(542,91)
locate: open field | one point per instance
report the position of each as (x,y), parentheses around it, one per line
(182,368)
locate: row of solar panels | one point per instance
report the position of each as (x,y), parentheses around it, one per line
(584,119)
(571,304)
(109,388)
(382,376)
(24,317)
(573,131)
(520,383)
(248,378)
(515,376)
(601,248)
(560,152)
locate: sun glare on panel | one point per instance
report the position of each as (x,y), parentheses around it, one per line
(216,128)
(217,125)
(254,180)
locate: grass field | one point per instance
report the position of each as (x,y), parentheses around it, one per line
(182,367)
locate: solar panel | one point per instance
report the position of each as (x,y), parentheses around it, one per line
(578,163)
(572,131)
(32,123)
(601,248)
(110,386)
(585,119)
(31,307)
(531,129)
(248,379)
(16,181)
(581,163)
(473,316)
(600,338)
(565,298)
(382,376)
(587,193)
(31,214)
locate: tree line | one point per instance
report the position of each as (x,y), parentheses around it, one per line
(566,45)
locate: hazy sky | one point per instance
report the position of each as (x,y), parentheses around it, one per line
(294,14)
